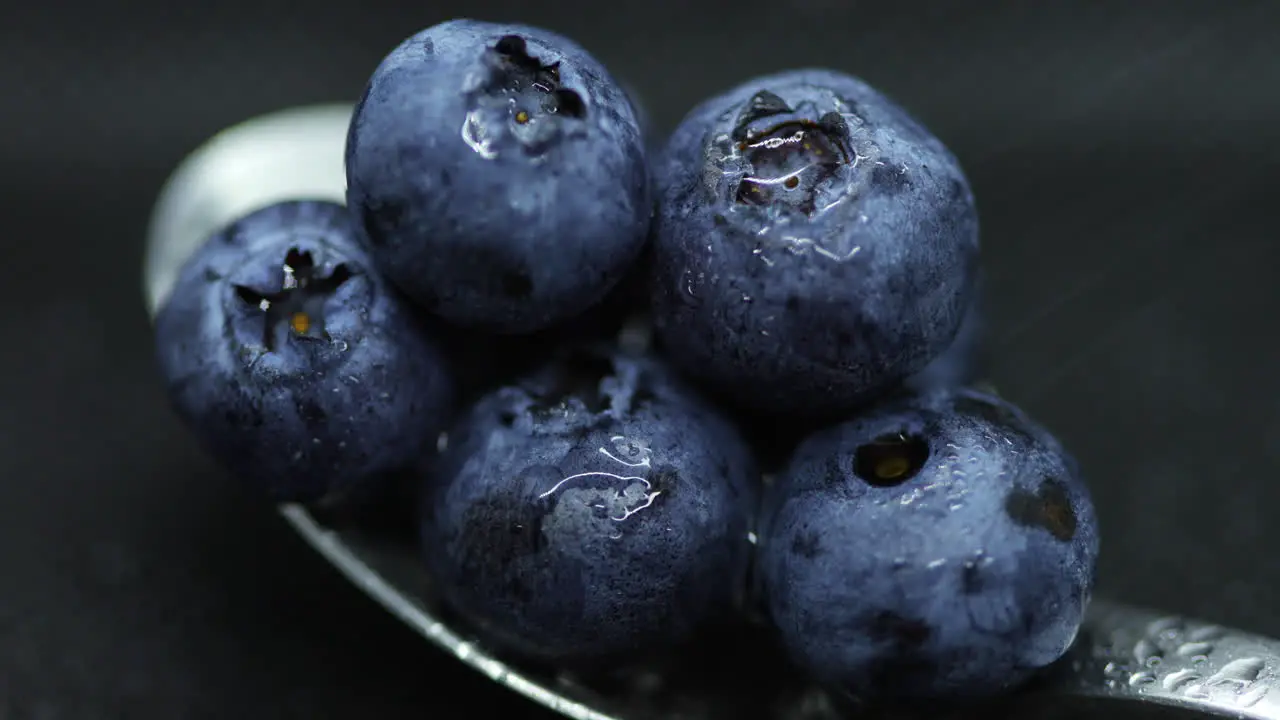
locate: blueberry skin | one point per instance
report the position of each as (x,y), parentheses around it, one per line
(957,578)
(484,216)
(323,417)
(596,510)
(817,291)
(964,362)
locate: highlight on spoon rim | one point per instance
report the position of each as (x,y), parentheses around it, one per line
(286,155)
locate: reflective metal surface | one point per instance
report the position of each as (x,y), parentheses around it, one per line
(1158,664)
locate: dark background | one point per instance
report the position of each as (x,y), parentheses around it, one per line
(1120,153)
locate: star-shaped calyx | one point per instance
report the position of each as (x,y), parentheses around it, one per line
(521,97)
(790,153)
(300,301)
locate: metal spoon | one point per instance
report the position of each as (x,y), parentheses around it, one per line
(1151,661)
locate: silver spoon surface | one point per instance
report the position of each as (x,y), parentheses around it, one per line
(1155,663)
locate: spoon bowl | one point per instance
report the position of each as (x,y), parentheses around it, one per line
(1126,660)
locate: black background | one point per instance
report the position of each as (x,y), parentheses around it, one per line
(1120,153)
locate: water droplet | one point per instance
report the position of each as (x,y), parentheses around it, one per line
(1154,661)
(1188,649)
(899,563)
(315,441)
(442,442)
(955,505)
(342,346)
(1166,627)
(1144,649)
(1195,690)
(691,285)
(746,298)
(1142,677)
(477,136)
(1244,670)
(753,538)
(1252,697)
(1199,659)
(1175,681)
(1112,668)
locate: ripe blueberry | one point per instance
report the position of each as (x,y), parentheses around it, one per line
(814,244)
(936,547)
(499,174)
(302,371)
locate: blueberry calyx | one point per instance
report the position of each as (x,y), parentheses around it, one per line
(890,460)
(519,71)
(521,99)
(299,302)
(787,155)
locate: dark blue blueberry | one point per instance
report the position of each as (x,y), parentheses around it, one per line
(595,510)
(300,370)
(962,364)
(499,174)
(814,244)
(935,548)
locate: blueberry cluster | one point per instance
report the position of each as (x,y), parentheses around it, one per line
(645,393)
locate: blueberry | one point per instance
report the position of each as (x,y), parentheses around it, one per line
(594,510)
(964,362)
(935,548)
(813,243)
(499,174)
(299,369)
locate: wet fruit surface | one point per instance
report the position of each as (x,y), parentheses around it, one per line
(934,547)
(299,367)
(596,509)
(813,243)
(499,175)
